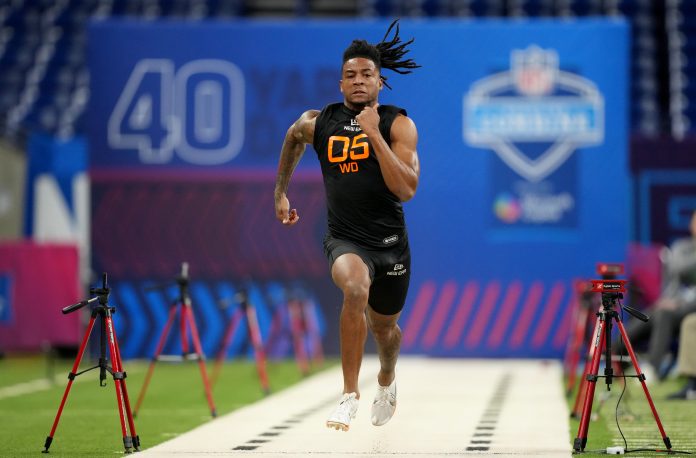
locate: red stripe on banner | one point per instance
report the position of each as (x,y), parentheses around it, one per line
(528,309)
(549,315)
(420,308)
(504,314)
(462,314)
(432,333)
(489,299)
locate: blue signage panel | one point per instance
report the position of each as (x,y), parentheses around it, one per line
(522,143)
(5,299)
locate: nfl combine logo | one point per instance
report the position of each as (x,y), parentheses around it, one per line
(534,103)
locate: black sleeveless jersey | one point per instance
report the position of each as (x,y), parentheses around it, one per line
(361,208)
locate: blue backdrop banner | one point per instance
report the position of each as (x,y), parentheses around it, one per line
(523,149)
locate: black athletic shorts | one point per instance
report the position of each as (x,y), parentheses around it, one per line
(390,271)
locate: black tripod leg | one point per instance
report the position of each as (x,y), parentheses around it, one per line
(608,369)
(71,377)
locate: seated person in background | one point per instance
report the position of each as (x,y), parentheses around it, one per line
(677,300)
(687,358)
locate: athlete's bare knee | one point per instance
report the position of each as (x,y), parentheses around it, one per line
(384,331)
(355,295)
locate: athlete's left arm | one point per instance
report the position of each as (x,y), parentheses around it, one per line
(399,164)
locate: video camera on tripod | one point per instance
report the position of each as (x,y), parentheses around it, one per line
(612,290)
(609,286)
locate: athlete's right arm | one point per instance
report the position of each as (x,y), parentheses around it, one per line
(299,134)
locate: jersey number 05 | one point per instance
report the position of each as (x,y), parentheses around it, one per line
(357,148)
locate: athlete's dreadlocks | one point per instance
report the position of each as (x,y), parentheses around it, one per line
(385,54)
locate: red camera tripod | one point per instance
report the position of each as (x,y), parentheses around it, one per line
(187,323)
(246,309)
(305,332)
(107,337)
(611,291)
(583,336)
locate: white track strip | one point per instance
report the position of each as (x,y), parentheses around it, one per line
(446,407)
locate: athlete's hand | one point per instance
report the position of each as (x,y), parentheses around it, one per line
(369,119)
(283,212)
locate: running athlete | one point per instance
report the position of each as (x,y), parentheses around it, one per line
(370,166)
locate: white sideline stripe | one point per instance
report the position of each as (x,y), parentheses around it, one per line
(42,384)
(440,405)
(25,388)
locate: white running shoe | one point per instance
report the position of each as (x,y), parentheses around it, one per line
(345,411)
(384,405)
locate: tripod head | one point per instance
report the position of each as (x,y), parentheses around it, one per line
(182,281)
(612,291)
(240,298)
(102,295)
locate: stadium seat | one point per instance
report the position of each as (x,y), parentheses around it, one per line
(26,30)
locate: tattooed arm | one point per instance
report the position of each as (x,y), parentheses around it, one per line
(299,134)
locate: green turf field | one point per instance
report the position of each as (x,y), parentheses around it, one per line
(175,402)
(635,419)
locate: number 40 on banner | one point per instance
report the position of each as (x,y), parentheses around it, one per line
(196,112)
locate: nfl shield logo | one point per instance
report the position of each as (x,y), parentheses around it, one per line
(534,70)
(533,104)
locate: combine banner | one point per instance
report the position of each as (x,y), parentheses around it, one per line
(523,188)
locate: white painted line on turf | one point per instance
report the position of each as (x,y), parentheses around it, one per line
(42,384)
(34,386)
(446,407)
(21,389)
